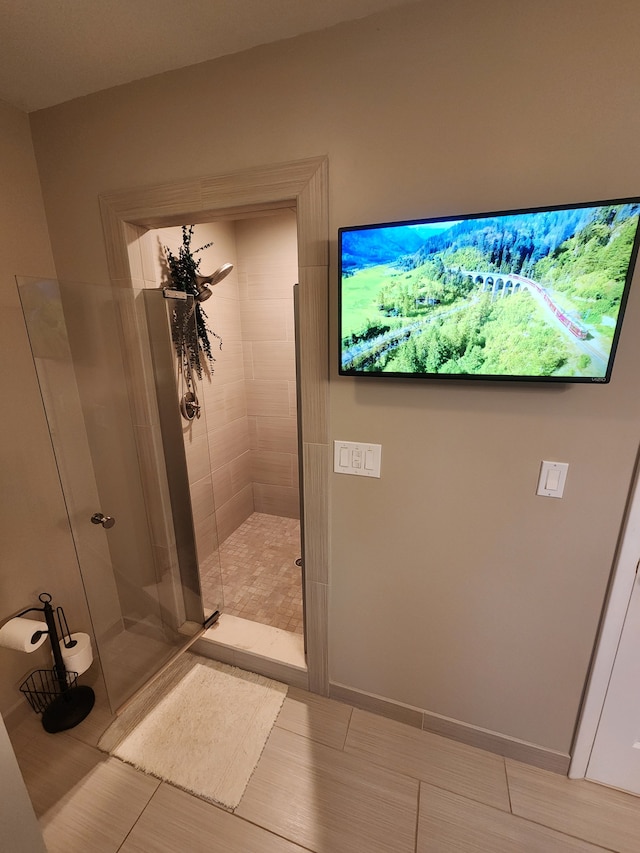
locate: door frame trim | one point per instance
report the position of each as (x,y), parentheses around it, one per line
(128,214)
(612,623)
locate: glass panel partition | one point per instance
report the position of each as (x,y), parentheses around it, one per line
(93,356)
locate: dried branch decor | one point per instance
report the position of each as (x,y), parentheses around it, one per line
(183,270)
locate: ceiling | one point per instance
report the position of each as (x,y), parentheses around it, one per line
(56,50)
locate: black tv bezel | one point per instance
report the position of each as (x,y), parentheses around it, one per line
(475,377)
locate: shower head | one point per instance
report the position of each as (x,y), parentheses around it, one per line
(220,273)
(203,283)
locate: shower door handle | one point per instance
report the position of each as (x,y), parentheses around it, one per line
(106,521)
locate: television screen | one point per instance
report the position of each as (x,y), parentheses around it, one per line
(535,294)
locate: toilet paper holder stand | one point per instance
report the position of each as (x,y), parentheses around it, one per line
(55,693)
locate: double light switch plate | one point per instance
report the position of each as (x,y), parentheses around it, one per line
(352,457)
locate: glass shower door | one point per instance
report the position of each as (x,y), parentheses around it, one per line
(92,354)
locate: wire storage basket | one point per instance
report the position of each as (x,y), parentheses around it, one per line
(43,686)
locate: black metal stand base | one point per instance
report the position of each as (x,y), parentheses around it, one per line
(68,709)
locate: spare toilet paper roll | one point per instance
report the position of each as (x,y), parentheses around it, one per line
(80,657)
(19,634)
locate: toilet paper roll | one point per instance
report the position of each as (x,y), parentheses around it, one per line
(80,657)
(19,634)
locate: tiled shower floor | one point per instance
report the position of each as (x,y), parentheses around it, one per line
(260,579)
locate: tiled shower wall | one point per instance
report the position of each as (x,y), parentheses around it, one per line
(267,271)
(242,453)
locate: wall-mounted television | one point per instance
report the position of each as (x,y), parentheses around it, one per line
(534,294)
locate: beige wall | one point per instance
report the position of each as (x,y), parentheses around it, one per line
(453,587)
(18,823)
(36,549)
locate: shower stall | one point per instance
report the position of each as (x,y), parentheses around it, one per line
(242,445)
(175,498)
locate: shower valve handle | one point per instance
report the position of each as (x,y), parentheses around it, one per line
(106,521)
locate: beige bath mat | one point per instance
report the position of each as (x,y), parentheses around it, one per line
(202,728)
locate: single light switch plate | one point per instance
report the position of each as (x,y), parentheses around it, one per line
(553,476)
(352,457)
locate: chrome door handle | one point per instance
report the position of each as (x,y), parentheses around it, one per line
(106,521)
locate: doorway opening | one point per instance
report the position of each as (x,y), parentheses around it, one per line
(241,446)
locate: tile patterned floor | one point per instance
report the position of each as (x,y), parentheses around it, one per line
(331,779)
(260,580)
